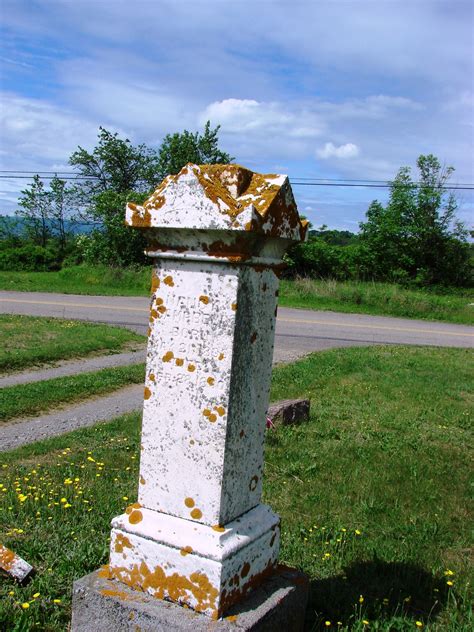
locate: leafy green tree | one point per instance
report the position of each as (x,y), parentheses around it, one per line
(182,147)
(61,202)
(416,236)
(34,211)
(117,172)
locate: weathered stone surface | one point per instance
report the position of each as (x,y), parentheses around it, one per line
(14,565)
(198,534)
(289,411)
(277,605)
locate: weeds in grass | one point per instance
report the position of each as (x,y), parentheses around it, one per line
(373,493)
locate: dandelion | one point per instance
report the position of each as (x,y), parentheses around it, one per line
(418,624)
(357,532)
(25,605)
(448,573)
(365,622)
(327,623)
(124,497)
(450,583)
(36,595)
(361,599)
(56,600)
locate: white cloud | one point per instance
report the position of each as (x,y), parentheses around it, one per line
(349,150)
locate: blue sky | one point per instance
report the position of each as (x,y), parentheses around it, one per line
(313,88)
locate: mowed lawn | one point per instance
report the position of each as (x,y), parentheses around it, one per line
(28,341)
(455,305)
(374,493)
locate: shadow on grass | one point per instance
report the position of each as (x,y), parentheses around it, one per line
(376,591)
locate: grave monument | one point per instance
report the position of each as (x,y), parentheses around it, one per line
(198,535)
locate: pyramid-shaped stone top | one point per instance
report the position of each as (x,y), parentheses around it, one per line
(222,197)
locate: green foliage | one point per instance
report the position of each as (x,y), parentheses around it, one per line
(119,172)
(29,257)
(180,148)
(115,165)
(416,237)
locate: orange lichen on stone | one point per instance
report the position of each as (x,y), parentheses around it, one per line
(212,417)
(230,598)
(210,381)
(135,517)
(169,355)
(151,377)
(204,299)
(155,281)
(195,590)
(234,306)
(130,508)
(191,368)
(109,592)
(217,527)
(168,280)
(206,412)
(142,480)
(220,410)
(196,514)
(121,543)
(147,393)
(7,558)
(189,502)
(186,550)
(179,362)
(221,356)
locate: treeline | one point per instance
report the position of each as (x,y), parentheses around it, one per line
(415,239)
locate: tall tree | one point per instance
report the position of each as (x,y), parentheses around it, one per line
(60,209)
(416,236)
(35,211)
(115,165)
(182,147)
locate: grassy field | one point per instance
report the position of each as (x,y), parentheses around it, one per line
(355,297)
(374,494)
(26,341)
(40,397)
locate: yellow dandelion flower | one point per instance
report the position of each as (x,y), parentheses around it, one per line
(450,583)
(56,600)
(36,595)
(64,500)
(25,605)
(361,599)
(418,624)
(124,497)
(448,572)
(327,623)
(365,622)
(357,532)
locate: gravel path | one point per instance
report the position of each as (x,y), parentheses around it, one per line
(20,432)
(72,367)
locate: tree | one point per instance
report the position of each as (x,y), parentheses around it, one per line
(416,236)
(115,165)
(180,148)
(34,211)
(60,202)
(117,172)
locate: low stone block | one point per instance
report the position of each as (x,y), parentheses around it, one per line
(109,606)
(289,411)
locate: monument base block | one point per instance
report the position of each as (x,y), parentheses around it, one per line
(107,605)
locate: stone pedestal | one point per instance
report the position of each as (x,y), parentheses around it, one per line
(198,535)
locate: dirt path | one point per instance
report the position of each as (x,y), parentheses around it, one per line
(72,367)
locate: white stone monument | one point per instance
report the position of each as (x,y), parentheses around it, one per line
(199,535)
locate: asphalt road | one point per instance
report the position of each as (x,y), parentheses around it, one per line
(298,331)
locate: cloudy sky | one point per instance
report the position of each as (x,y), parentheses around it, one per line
(332,89)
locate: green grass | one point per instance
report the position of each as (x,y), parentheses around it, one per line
(26,341)
(373,492)
(40,397)
(355,297)
(378,298)
(98,280)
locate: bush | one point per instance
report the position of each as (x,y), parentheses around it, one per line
(29,258)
